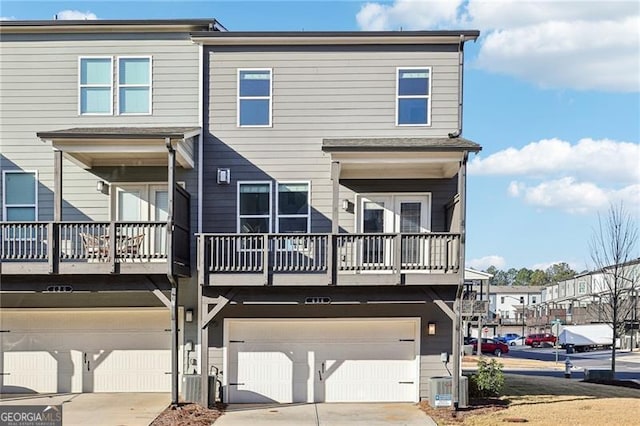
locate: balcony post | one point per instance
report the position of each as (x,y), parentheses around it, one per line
(203,265)
(52,246)
(332,258)
(113,242)
(397,257)
(335,211)
(265,258)
(57,185)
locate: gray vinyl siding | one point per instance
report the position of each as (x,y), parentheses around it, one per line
(39,86)
(324,92)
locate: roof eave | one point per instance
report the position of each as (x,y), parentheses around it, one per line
(99,25)
(334,38)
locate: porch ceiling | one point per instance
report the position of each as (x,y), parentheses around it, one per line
(399,158)
(117,146)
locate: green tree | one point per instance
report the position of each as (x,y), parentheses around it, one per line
(560,272)
(538,278)
(523,277)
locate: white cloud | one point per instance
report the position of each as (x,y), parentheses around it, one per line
(75,15)
(545,265)
(604,159)
(407,14)
(577,44)
(573,196)
(483,263)
(7,18)
(579,178)
(581,55)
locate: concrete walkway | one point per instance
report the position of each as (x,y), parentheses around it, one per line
(382,414)
(100,409)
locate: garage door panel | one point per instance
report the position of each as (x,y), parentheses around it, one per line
(87,351)
(322,360)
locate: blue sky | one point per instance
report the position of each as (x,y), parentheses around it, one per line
(552,93)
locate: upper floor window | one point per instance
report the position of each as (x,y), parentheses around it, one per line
(254,97)
(293,207)
(254,207)
(20,190)
(96,91)
(134,85)
(502,299)
(414,97)
(582,287)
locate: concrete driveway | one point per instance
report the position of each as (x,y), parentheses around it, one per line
(325,415)
(99,409)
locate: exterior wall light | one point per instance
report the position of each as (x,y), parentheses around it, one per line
(431,328)
(188,315)
(103,187)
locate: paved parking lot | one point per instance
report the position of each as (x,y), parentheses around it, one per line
(99,409)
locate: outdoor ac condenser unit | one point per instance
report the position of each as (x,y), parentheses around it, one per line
(440,394)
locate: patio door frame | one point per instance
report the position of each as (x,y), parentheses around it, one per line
(392,216)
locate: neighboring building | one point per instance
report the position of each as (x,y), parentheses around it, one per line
(333,212)
(284,211)
(506,306)
(475,307)
(583,299)
(99,127)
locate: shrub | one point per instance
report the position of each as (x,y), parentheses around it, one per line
(488,380)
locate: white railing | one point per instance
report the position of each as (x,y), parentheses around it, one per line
(24,241)
(83,241)
(285,253)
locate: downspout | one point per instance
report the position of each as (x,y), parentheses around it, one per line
(200,136)
(171,187)
(460,83)
(457,335)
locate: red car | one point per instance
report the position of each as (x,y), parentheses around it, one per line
(539,339)
(490,346)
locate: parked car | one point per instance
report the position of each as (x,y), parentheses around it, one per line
(507,337)
(539,339)
(490,346)
(517,342)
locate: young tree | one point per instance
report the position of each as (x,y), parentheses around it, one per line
(613,246)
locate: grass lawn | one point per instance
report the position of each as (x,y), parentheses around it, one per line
(550,401)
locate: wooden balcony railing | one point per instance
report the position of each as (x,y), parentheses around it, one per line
(84,247)
(274,258)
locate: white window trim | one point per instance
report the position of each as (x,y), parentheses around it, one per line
(81,86)
(427,97)
(238,216)
(360,198)
(4,192)
(254,97)
(119,86)
(307,215)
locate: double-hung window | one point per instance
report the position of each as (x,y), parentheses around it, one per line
(254,97)
(20,191)
(132,91)
(254,207)
(134,85)
(293,208)
(96,86)
(414,97)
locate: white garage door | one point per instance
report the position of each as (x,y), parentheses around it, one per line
(349,360)
(86,350)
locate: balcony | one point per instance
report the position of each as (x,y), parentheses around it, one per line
(87,248)
(329,259)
